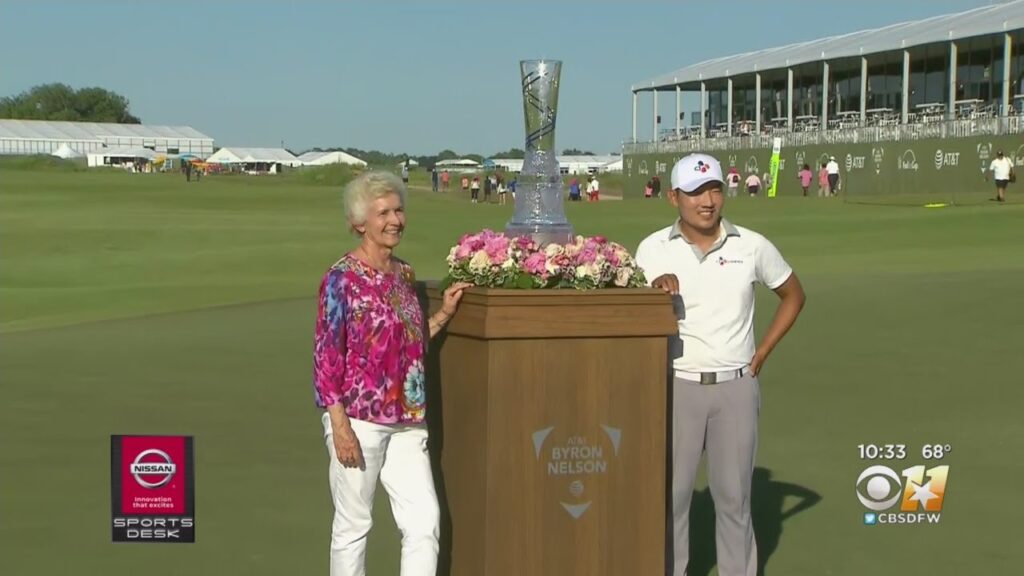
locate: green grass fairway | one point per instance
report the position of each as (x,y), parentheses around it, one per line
(137,304)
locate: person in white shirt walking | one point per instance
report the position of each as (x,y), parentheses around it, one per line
(1002,171)
(710,266)
(832,168)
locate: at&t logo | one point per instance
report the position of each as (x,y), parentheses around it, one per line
(920,498)
(946,159)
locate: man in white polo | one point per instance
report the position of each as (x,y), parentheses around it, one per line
(832,168)
(1001,168)
(710,266)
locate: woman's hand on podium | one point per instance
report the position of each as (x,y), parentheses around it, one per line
(667,282)
(449,305)
(452,295)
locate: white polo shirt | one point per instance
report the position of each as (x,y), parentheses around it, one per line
(1001,168)
(716,320)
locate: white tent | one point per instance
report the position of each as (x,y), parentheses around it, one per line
(508,164)
(584,164)
(613,166)
(114,156)
(64,151)
(46,136)
(332,157)
(254,156)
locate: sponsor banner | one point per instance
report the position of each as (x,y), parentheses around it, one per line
(773,166)
(152,482)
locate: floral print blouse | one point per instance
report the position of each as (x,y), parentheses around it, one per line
(369,343)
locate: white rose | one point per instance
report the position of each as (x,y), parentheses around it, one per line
(480,262)
(622,276)
(551,267)
(508,264)
(553,250)
(588,271)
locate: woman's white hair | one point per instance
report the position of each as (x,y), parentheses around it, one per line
(364,189)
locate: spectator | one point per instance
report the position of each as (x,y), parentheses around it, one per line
(649,189)
(474,189)
(753,184)
(833,176)
(1002,170)
(732,181)
(594,189)
(465,183)
(445,177)
(574,190)
(488,182)
(405,172)
(434,179)
(823,180)
(502,192)
(656,186)
(805,176)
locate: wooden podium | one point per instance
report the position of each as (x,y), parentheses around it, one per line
(548,429)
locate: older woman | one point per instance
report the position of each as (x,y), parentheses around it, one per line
(369,378)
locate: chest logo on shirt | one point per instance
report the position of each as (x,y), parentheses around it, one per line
(722,261)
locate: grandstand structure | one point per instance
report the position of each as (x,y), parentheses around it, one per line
(914,108)
(955,75)
(25,137)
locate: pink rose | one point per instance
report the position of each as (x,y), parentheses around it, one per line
(463,251)
(588,255)
(497,248)
(536,264)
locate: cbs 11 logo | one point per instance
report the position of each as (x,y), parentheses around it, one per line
(920,498)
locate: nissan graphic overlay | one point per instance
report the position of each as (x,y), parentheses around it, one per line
(152,481)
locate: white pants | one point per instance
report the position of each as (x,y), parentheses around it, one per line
(396,454)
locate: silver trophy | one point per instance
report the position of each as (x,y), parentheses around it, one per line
(539,212)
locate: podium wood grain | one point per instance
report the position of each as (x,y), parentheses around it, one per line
(515,362)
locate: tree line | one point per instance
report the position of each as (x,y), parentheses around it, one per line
(62,102)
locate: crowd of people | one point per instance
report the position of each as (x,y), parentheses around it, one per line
(496,184)
(828,181)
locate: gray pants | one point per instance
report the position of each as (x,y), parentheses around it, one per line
(722,420)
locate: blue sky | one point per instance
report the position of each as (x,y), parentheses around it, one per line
(415,76)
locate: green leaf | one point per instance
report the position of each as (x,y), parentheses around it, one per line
(524,281)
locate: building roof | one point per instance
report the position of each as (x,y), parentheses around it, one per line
(976,22)
(93,131)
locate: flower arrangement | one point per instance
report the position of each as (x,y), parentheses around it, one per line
(492,259)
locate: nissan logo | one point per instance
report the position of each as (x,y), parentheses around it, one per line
(164,469)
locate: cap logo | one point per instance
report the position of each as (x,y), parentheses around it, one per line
(701,166)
